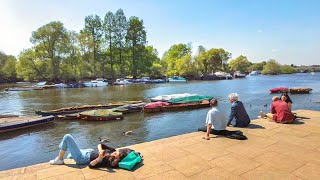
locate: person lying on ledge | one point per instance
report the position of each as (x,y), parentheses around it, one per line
(105,156)
(279,111)
(216,124)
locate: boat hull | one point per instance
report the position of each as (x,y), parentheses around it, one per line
(24,122)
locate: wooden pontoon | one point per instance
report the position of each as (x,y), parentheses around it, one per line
(15,123)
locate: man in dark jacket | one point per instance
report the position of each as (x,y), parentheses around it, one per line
(238,116)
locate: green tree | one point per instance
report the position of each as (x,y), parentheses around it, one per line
(241,64)
(93,31)
(272,67)
(121,27)
(286,69)
(32,68)
(156,70)
(136,39)
(170,57)
(212,60)
(257,66)
(109,32)
(49,41)
(9,68)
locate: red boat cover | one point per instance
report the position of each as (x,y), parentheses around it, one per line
(279,89)
(156,104)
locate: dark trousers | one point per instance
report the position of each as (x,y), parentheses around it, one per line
(218,132)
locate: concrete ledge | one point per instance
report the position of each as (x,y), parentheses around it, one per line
(272,151)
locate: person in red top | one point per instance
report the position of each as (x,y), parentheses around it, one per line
(280,111)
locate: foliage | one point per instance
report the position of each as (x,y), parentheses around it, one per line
(241,64)
(257,66)
(136,40)
(286,69)
(49,41)
(272,67)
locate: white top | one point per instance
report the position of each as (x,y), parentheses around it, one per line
(217,119)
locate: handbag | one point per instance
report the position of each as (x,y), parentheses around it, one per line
(130,160)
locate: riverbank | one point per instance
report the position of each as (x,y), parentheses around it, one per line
(272,151)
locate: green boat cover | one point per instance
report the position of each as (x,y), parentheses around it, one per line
(190,99)
(101,113)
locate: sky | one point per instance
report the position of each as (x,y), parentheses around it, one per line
(285,30)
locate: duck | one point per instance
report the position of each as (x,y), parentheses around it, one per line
(127,133)
(104,139)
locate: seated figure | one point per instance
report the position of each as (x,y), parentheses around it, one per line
(280,112)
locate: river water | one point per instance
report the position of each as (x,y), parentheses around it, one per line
(40,144)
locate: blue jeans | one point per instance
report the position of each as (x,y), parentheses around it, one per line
(79,156)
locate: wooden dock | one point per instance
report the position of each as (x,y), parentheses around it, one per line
(15,123)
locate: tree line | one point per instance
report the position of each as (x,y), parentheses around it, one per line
(115,46)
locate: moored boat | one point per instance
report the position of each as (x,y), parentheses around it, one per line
(300,90)
(15,123)
(238,74)
(177,79)
(100,115)
(122,81)
(77,109)
(279,90)
(99,82)
(169,97)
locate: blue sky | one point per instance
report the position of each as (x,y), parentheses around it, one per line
(285,30)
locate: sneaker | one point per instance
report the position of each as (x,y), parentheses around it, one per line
(262,114)
(56,161)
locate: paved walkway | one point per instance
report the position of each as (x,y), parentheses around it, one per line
(272,151)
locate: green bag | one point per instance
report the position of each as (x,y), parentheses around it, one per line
(130,160)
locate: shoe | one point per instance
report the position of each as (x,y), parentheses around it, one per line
(262,114)
(56,161)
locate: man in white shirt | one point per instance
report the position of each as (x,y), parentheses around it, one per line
(215,121)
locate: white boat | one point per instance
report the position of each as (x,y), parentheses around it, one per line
(169,97)
(223,75)
(61,85)
(254,73)
(177,79)
(96,83)
(122,81)
(238,74)
(313,73)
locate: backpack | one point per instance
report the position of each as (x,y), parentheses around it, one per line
(130,160)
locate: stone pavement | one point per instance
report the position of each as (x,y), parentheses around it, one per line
(272,151)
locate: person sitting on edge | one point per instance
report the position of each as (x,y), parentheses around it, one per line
(105,156)
(279,111)
(216,124)
(238,116)
(285,97)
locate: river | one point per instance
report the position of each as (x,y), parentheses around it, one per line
(40,144)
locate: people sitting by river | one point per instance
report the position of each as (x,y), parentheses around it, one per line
(238,116)
(104,156)
(216,124)
(279,111)
(285,97)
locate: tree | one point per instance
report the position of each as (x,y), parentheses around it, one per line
(93,29)
(109,32)
(241,64)
(121,27)
(257,66)
(49,41)
(286,69)
(170,57)
(272,67)
(32,68)
(136,40)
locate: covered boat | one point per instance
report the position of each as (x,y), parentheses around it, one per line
(155,106)
(178,107)
(100,115)
(190,99)
(300,90)
(279,90)
(169,97)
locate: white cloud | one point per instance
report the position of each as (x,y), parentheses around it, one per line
(259,30)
